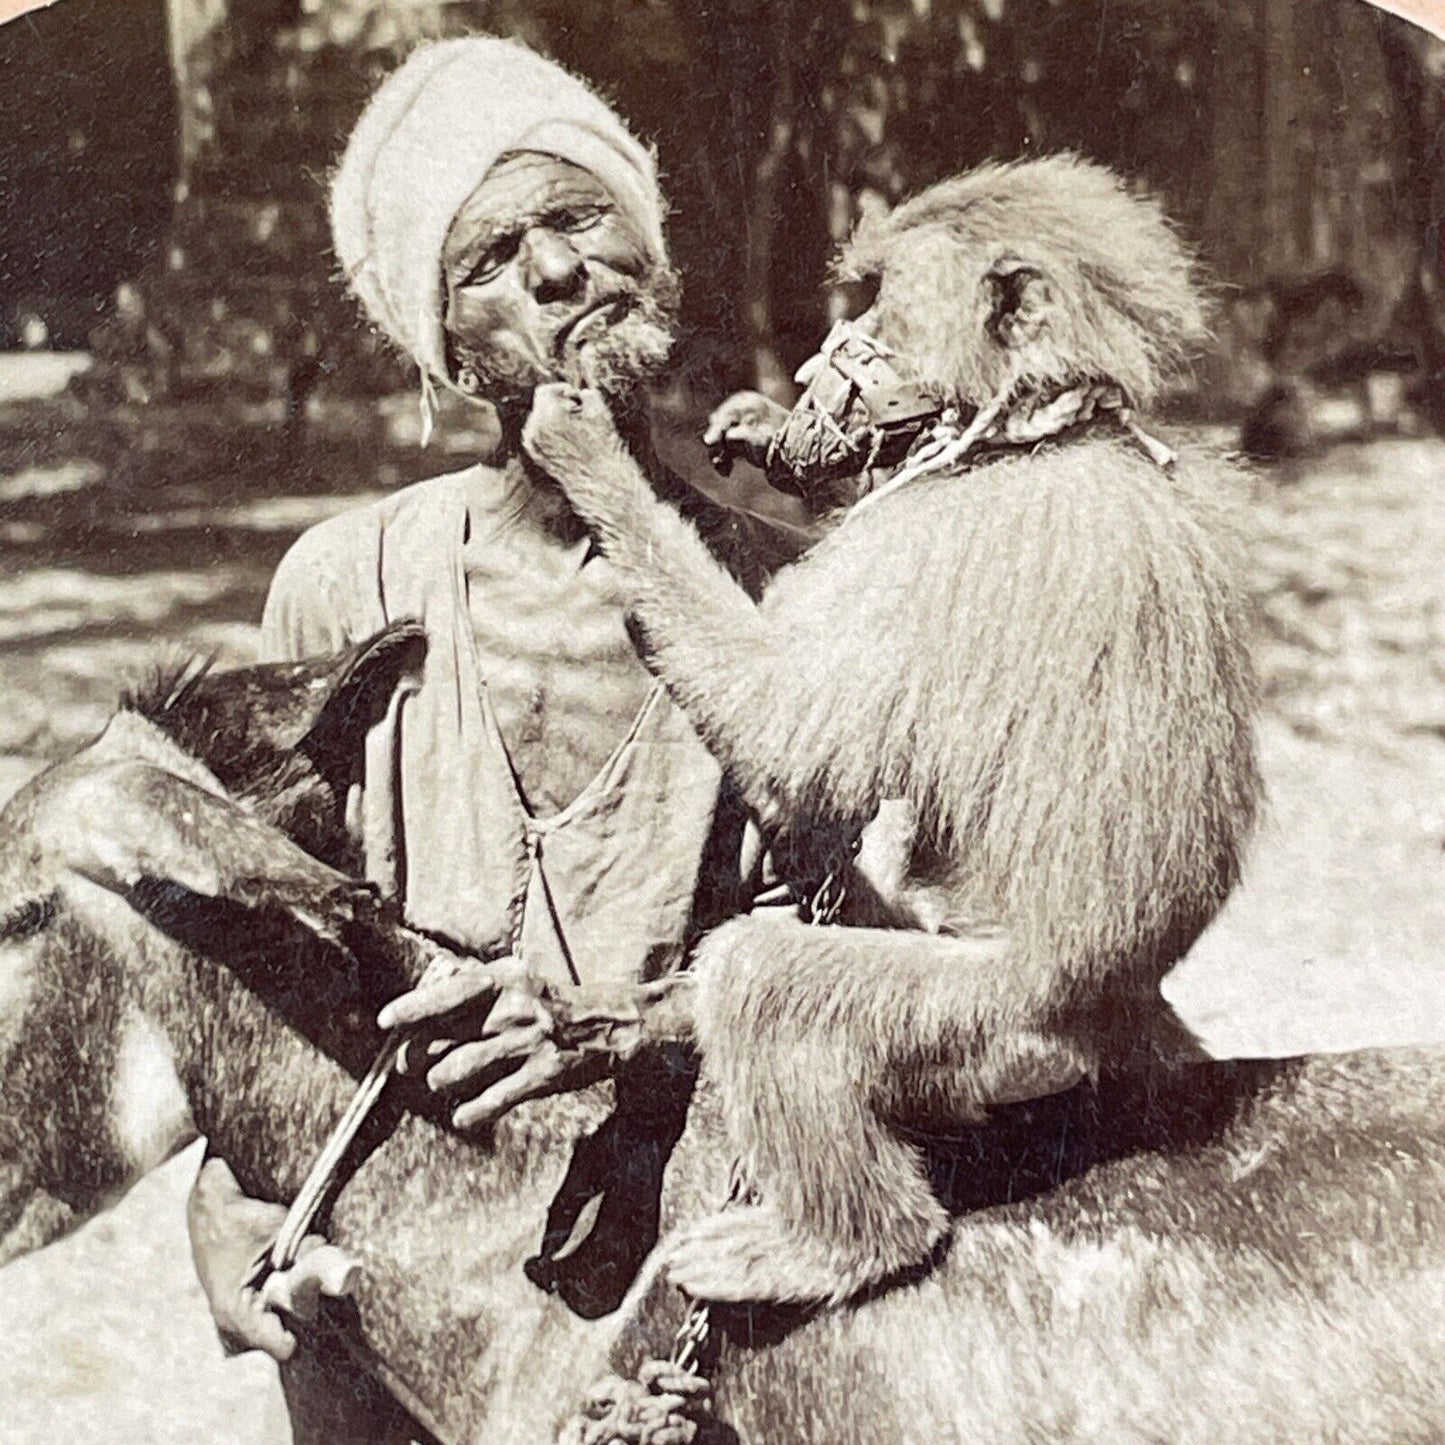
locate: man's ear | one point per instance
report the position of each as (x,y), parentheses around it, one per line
(360,690)
(1020,300)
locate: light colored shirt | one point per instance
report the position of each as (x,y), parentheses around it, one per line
(604,888)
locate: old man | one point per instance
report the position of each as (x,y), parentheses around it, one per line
(538,795)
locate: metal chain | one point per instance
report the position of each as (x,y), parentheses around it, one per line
(692,1334)
(648,1408)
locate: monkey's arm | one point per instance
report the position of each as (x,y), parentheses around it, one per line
(719,655)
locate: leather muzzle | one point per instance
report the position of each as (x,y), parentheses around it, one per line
(858,410)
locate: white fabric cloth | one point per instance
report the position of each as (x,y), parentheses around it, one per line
(604,889)
(427,139)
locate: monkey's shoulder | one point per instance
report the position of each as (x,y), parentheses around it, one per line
(1096,474)
(1048,501)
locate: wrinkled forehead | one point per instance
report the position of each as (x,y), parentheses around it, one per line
(520,189)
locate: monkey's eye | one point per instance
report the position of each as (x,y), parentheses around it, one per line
(859,294)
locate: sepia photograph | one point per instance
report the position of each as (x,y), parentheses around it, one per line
(722,722)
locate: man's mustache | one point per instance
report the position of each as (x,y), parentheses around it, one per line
(606,308)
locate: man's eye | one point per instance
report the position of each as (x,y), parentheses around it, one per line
(578,218)
(491,264)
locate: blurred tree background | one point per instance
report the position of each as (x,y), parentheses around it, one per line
(1296,140)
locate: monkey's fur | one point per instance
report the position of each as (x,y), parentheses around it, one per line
(1042,653)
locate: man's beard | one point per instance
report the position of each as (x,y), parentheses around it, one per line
(617,359)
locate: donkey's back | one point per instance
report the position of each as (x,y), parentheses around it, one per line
(1225,1251)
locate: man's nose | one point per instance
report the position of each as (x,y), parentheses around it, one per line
(554,267)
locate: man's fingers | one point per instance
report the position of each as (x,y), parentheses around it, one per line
(336,1271)
(259,1328)
(254,1219)
(467,988)
(322,1270)
(466,1061)
(515,1008)
(535,1078)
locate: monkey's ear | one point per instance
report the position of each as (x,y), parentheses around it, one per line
(1020,301)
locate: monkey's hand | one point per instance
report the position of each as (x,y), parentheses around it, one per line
(742,427)
(535,1039)
(571,434)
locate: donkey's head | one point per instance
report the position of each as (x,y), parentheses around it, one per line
(106,1006)
(287,737)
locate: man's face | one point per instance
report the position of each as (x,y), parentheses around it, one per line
(548,280)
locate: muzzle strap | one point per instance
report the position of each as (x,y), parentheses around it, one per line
(1020,424)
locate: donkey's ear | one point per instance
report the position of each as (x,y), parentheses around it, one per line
(360,689)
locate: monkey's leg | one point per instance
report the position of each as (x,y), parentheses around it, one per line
(817,1039)
(121,823)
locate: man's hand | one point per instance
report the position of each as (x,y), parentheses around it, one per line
(742,427)
(229,1233)
(534,1040)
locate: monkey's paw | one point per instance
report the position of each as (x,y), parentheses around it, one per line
(568,433)
(742,426)
(747,1253)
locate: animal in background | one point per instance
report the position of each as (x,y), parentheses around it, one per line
(1035,643)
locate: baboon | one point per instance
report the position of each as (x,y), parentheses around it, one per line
(1036,649)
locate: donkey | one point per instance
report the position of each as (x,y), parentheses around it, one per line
(1218,1251)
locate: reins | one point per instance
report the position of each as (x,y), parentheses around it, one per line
(301,1215)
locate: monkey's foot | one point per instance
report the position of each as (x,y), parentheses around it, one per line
(747,1253)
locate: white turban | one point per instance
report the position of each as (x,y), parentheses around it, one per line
(431,133)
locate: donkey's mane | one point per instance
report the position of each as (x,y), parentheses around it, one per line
(167,688)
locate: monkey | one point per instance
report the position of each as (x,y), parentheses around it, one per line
(1038,647)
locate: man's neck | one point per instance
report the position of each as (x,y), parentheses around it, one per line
(544,507)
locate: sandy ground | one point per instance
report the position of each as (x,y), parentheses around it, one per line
(122,538)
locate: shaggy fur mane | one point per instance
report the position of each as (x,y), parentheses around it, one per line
(1129,304)
(167,690)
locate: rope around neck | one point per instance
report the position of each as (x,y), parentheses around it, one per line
(1021,423)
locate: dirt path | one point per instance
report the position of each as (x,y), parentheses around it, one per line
(1334,941)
